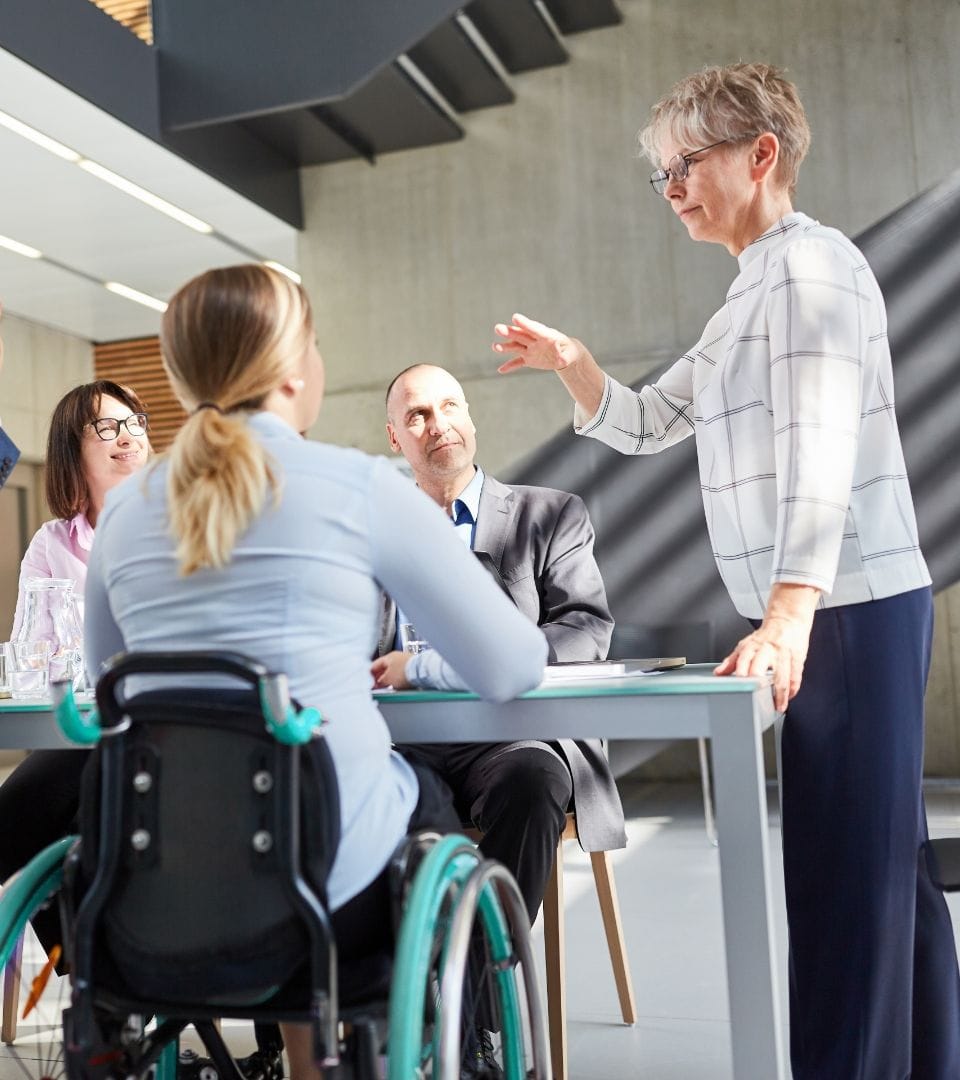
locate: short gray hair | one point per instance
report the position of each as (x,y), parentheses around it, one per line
(732,103)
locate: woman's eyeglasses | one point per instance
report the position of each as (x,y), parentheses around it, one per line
(678,168)
(108,428)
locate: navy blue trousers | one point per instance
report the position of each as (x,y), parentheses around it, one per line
(874,986)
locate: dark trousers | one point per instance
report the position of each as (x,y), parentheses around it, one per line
(38,805)
(874,987)
(516,794)
(363,925)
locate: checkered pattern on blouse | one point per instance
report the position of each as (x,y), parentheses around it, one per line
(789,393)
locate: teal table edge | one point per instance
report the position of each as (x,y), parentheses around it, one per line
(691,679)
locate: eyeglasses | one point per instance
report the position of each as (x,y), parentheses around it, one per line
(108,428)
(678,168)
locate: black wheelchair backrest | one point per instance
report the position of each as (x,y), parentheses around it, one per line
(206,842)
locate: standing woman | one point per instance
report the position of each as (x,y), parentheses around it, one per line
(789,394)
(250,538)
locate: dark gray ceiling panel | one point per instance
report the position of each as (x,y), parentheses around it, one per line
(518,33)
(390,113)
(572,16)
(457,68)
(309,136)
(222,60)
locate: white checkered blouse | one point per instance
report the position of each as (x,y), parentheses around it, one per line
(790,395)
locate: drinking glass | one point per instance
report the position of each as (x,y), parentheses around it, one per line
(6,667)
(411,640)
(30,675)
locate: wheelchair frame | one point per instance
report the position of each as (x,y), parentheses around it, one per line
(453,890)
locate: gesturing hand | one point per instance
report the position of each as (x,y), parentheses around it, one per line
(536,346)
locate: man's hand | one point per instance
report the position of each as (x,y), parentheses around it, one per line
(780,644)
(390,670)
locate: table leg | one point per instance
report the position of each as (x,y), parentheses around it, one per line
(741,803)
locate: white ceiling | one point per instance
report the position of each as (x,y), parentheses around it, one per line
(90,230)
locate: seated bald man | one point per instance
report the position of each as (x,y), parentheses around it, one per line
(540,543)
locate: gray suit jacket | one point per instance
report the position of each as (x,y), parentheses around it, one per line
(540,541)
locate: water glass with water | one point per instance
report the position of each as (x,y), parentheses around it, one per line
(410,640)
(31,666)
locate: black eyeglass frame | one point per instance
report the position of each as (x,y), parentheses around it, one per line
(102,425)
(681,170)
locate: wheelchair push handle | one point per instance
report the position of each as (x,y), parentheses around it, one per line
(78,727)
(286,722)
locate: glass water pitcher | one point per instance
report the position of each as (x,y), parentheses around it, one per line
(51,614)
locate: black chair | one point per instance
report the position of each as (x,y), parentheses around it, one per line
(943,862)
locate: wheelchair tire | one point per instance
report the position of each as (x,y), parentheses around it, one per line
(453,891)
(29,978)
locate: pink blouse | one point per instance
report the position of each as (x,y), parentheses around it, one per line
(59,549)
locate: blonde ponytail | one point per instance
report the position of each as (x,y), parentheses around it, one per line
(229,337)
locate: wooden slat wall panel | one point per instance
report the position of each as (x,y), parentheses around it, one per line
(134,14)
(137,364)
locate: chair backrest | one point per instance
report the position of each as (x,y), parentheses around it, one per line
(193,820)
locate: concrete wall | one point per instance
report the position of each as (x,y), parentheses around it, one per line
(40,366)
(544,208)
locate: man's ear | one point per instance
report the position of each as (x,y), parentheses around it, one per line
(392,439)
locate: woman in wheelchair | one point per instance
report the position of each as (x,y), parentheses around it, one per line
(248,537)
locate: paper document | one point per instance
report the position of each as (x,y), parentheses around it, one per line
(610,669)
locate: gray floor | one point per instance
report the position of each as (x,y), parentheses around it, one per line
(669,888)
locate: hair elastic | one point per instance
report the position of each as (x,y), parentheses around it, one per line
(208,405)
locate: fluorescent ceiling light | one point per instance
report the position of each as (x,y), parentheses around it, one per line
(281,269)
(130,188)
(135,295)
(20,128)
(20,249)
(102,173)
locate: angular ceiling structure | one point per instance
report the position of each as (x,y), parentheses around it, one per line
(220,104)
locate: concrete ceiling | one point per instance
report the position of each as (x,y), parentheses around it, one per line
(254,126)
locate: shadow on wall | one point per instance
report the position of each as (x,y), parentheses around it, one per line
(652,543)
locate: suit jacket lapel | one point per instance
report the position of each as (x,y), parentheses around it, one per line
(388,625)
(494,520)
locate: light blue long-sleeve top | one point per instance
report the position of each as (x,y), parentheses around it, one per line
(301,593)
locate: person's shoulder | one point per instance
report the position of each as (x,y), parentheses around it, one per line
(51,532)
(535,494)
(817,247)
(345,464)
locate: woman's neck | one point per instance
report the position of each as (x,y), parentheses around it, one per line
(769,208)
(94,505)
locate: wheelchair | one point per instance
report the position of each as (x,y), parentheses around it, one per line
(195,892)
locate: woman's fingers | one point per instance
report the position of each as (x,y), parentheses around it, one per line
(515,331)
(756,656)
(510,365)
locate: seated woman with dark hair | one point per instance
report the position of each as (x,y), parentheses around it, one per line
(97,437)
